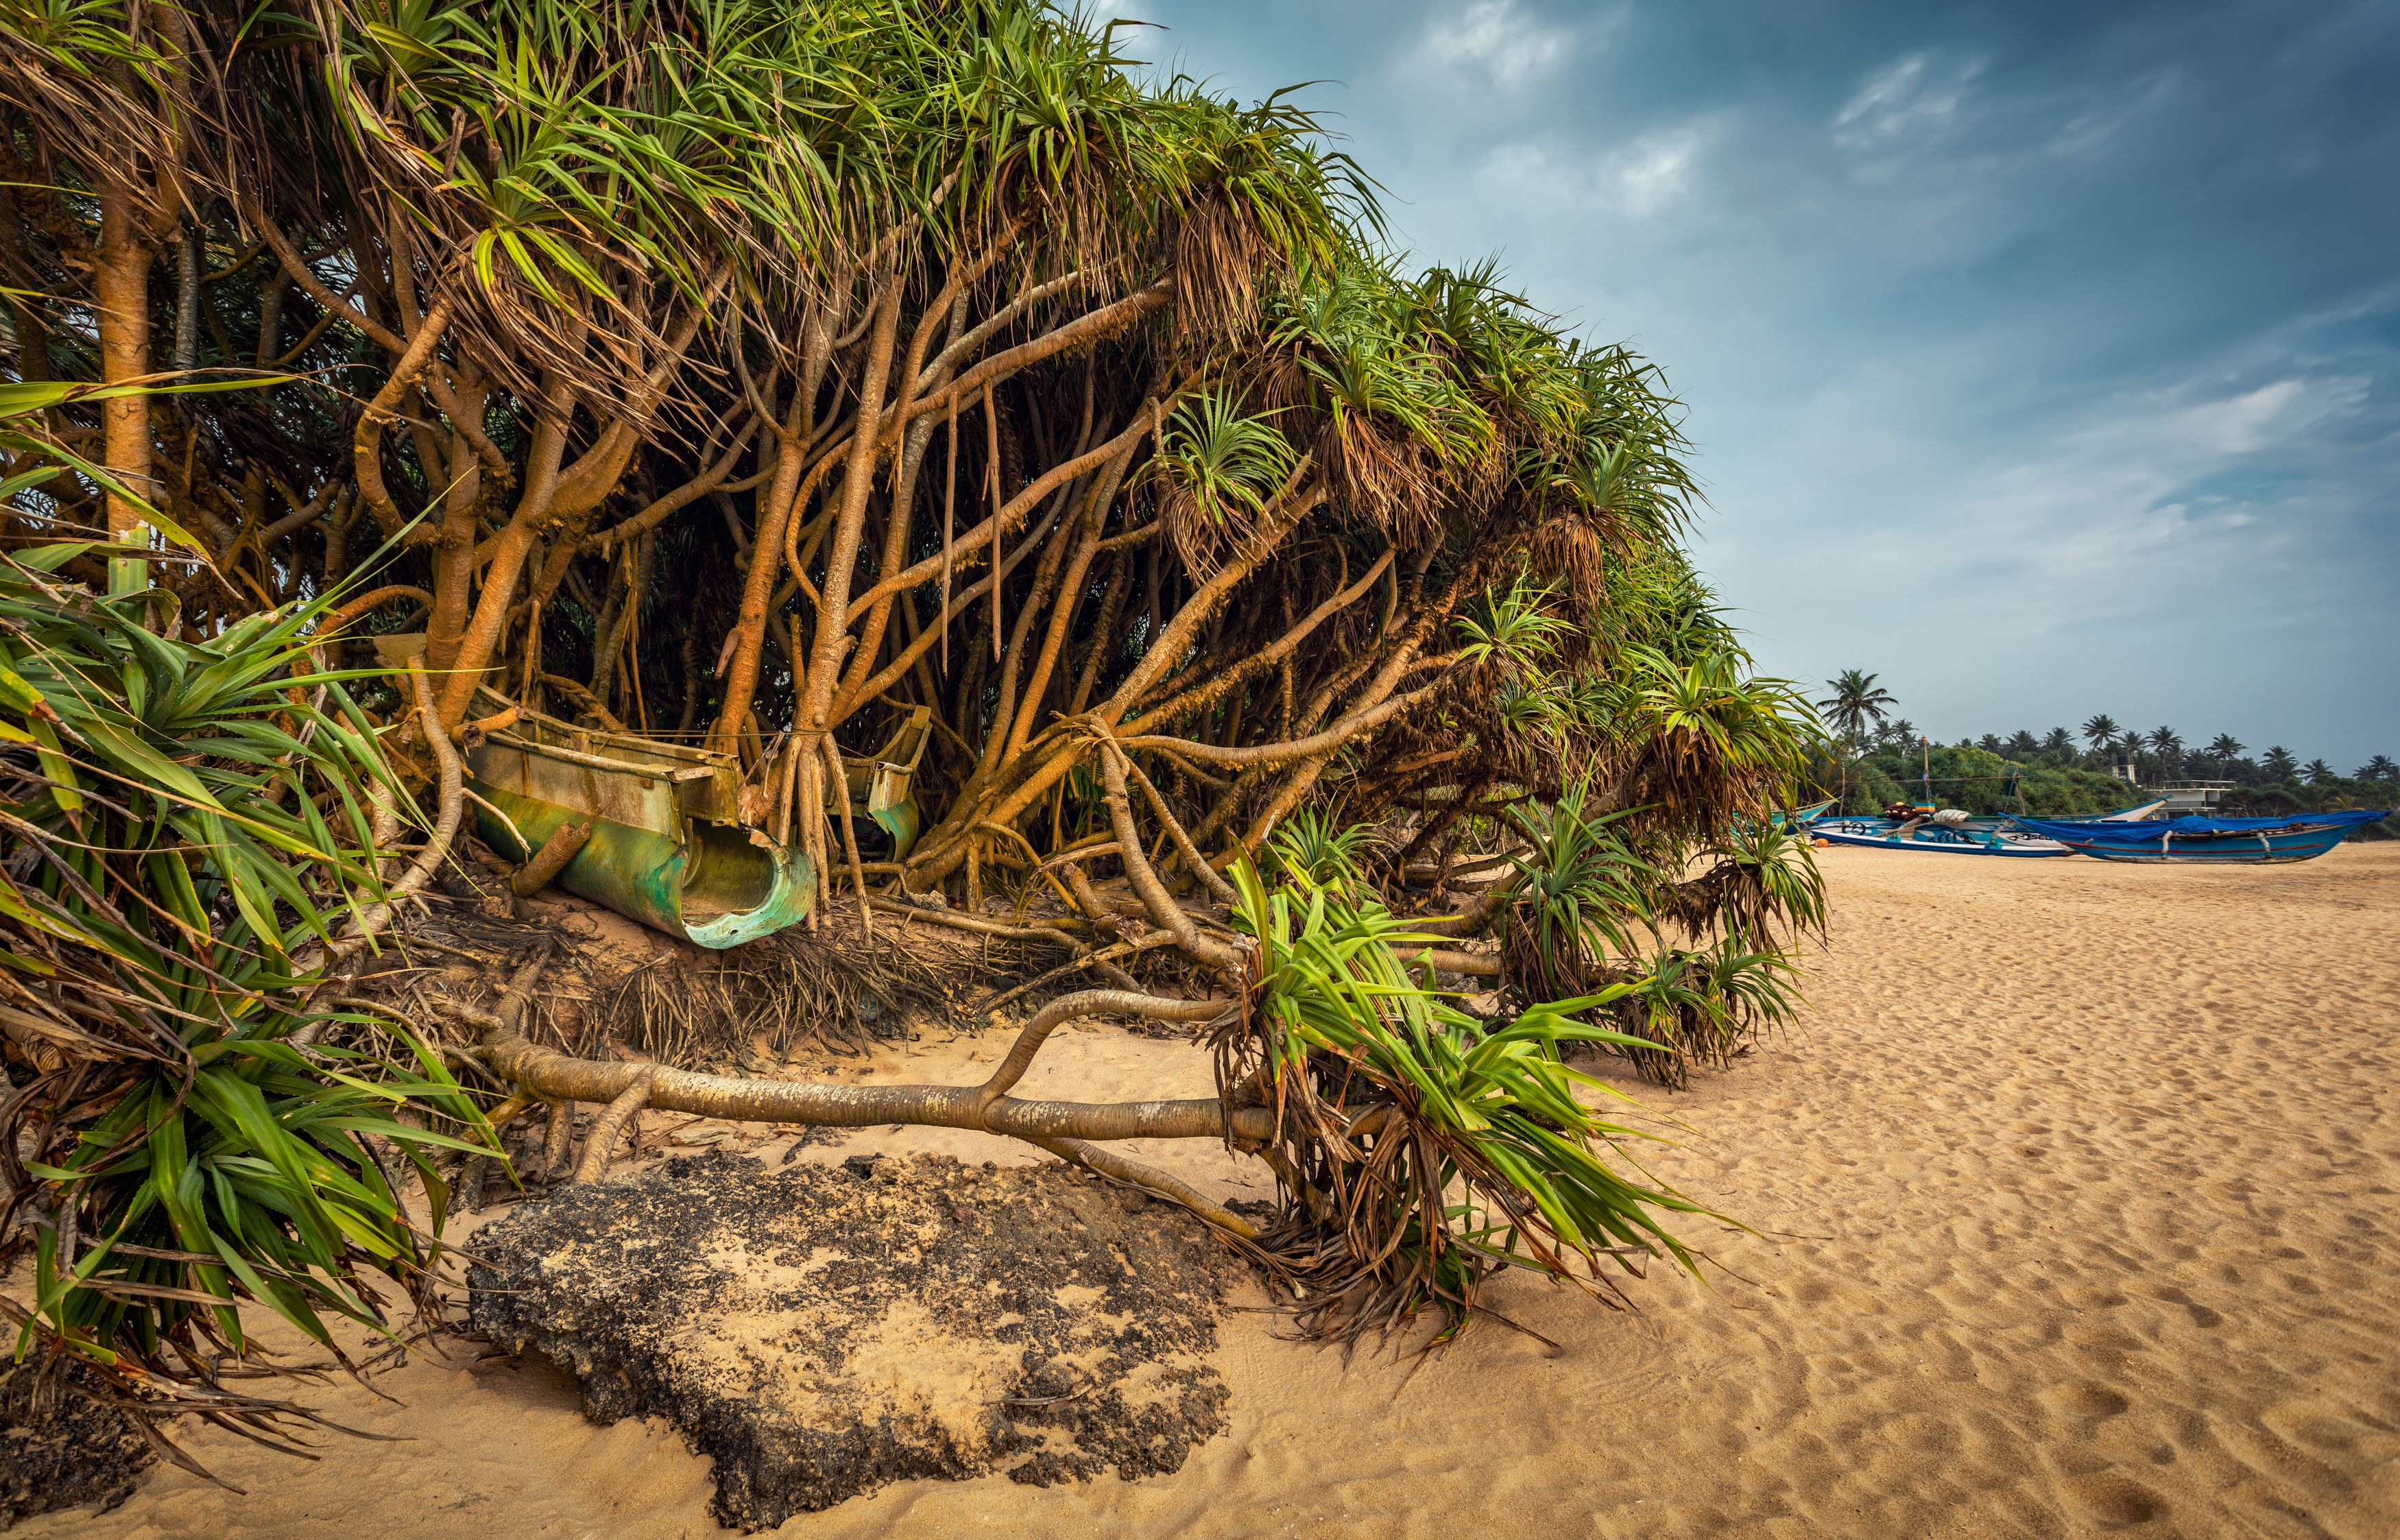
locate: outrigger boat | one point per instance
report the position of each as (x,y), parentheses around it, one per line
(2235,840)
(1948,832)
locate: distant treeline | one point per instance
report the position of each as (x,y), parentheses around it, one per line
(1880,758)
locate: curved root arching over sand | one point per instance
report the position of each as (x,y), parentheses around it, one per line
(1065,1128)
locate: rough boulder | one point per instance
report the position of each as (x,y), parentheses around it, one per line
(823,1331)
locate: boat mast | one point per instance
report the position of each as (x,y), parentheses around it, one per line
(1925,746)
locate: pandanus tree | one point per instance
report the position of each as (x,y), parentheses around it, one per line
(756,373)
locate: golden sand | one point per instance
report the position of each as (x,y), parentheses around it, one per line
(2077,1210)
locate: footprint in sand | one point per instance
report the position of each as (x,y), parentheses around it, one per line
(2085,1402)
(2113,1502)
(2202,1317)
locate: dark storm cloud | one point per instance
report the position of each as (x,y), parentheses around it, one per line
(2044,358)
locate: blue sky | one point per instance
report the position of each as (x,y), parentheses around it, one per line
(2044,359)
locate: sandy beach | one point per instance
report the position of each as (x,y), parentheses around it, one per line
(2074,1204)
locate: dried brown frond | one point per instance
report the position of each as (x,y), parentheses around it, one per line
(1219,256)
(1387,480)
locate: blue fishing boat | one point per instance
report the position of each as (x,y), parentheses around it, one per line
(2302,836)
(1987,823)
(1934,835)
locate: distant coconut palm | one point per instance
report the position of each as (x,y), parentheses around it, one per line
(1856,702)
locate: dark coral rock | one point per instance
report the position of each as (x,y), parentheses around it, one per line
(823,1331)
(60,1448)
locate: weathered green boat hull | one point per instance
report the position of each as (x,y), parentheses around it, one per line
(899,821)
(717,887)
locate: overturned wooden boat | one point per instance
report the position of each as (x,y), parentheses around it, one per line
(678,833)
(2302,836)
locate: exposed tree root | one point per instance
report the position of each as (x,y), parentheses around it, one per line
(1098,961)
(1117,1167)
(834,991)
(1445,959)
(610,1125)
(1067,1129)
(551,859)
(552,1074)
(968,923)
(557,1139)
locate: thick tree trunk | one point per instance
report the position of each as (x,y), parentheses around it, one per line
(509,549)
(121,287)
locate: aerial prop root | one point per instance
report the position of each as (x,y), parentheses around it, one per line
(373,912)
(1164,911)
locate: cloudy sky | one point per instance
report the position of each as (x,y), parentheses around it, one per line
(2041,358)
